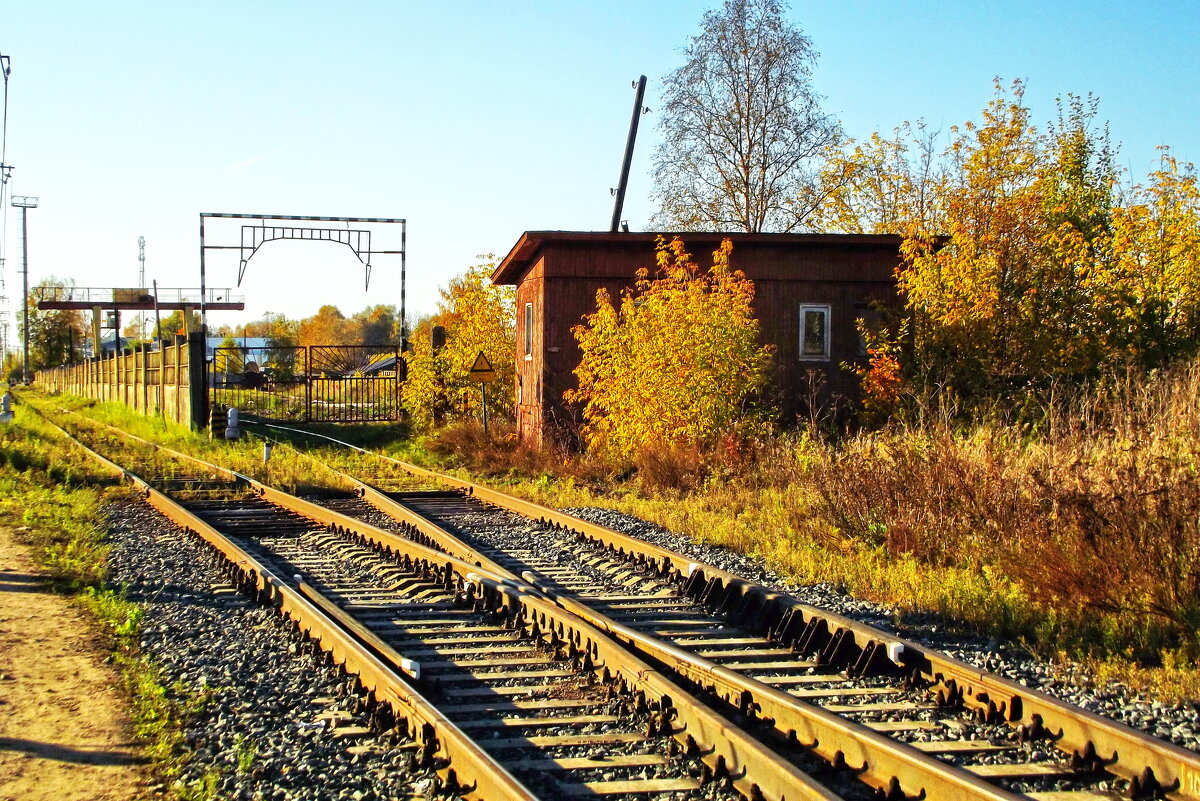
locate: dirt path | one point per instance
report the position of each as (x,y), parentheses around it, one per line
(64,729)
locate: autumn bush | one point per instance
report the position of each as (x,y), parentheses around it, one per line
(675,364)
(478,317)
(1030,257)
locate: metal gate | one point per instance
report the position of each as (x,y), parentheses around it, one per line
(309,384)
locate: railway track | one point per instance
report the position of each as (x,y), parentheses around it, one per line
(908,720)
(505,694)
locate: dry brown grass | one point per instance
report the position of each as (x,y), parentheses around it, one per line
(498,454)
(1075,532)
(1094,512)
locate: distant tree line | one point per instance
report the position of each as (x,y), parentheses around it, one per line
(63,337)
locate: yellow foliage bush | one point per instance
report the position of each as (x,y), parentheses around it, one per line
(479,317)
(676,364)
(1029,255)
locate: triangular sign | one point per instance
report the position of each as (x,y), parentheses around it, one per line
(481,370)
(481,365)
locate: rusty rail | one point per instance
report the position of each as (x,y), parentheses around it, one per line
(728,750)
(470,763)
(1152,766)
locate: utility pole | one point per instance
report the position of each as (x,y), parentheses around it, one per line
(25,203)
(142,284)
(5,173)
(638,110)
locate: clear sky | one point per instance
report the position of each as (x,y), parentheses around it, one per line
(475,121)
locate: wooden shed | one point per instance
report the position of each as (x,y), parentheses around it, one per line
(810,291)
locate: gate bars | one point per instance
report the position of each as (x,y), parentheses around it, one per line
(309,383)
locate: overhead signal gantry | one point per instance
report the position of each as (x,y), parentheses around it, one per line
(100,299)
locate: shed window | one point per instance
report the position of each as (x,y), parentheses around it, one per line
(814,332)
(528,330)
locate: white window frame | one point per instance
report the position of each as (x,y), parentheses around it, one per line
(825,350)
(528,332)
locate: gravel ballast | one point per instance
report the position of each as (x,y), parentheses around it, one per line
(1177,723)
(275,723)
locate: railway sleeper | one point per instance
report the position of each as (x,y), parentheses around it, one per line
(381,718)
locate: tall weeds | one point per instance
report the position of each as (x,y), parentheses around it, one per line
(1092,510)
(1069,521)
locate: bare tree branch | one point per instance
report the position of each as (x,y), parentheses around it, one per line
(743,131)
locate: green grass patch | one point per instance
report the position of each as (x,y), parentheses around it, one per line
(54,499)
(286,469)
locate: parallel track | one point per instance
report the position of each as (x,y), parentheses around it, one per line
(908,719)
(564,711)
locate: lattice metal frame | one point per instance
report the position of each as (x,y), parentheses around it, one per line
(254,237)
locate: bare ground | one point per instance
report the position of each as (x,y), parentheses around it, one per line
(64,725)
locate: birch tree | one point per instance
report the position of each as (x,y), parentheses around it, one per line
(742,128)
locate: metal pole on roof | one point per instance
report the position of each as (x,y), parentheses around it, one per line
(403,269)
(629,142)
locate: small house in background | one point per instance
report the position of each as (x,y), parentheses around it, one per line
(249,349)
(810,291)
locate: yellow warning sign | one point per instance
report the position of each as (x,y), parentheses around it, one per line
(482,370)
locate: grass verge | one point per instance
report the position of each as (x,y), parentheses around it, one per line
(55,501)
(286,469)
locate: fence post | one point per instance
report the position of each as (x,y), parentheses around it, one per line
(197,380)
(145,399)
(175,362)
(400,365)
(308,379)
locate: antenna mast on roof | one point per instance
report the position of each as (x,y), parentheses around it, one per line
(638,111)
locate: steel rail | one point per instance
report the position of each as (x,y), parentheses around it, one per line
(731,750)
(1154,768)
(877,759)
(886,764)
(307,608)
(728,750)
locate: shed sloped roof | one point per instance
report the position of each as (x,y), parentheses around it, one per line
(522,254)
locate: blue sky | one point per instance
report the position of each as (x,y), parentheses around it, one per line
(475,121)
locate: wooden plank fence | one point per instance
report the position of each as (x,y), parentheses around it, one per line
(151,382)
